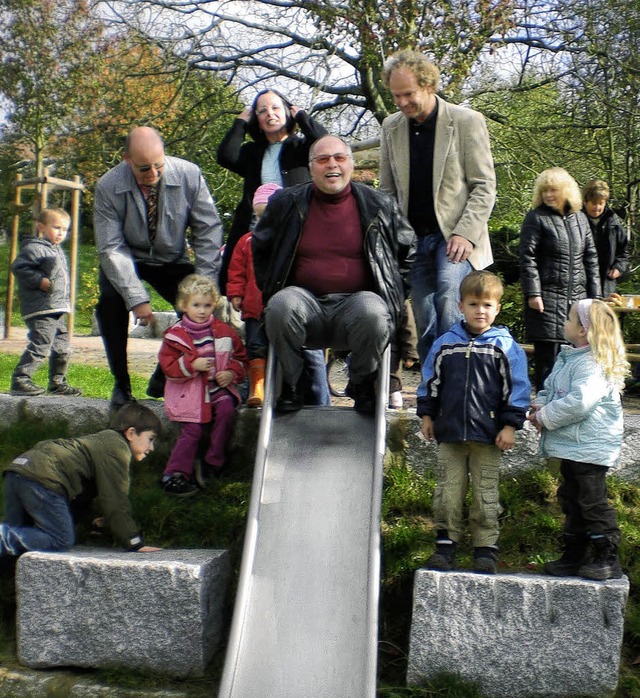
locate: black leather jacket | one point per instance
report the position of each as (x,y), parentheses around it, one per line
(389,241)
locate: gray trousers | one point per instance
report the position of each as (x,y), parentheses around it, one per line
(359,322)
(48,338)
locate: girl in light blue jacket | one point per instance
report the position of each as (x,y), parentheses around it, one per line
(579,417)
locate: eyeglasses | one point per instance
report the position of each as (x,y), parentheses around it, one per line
(147,168)
(340,158)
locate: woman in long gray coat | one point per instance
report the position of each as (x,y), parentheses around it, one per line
(558,264)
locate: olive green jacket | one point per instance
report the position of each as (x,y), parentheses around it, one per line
(98,461)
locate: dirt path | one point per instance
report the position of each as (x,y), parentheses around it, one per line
(143,353)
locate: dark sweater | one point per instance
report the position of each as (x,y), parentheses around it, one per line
(330,255)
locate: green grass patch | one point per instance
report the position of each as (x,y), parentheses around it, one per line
(95,381)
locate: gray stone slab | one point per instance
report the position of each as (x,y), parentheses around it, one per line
(96,608)
(82,414)
(518,635)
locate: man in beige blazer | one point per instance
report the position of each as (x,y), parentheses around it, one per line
(435,158)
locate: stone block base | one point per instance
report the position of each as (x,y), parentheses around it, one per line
(518,635)
(98,608)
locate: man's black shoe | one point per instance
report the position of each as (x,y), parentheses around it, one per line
(155,388)
(290,399)
(363,395)
(120,397)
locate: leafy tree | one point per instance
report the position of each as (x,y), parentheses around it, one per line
(335,50)
(46,47)
(74,90)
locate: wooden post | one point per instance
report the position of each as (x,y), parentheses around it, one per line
(13,251)
(41,186)
(73,251)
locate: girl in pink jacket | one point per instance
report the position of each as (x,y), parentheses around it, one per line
(203,359)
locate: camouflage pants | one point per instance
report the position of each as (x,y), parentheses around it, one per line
(460,465)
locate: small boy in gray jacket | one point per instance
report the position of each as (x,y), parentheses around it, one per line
(43,287)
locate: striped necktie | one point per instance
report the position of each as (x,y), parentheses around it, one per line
(152,212)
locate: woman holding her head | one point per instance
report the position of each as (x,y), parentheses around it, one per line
(278,152)
(558,264)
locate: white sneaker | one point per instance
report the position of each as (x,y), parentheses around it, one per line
(395,400)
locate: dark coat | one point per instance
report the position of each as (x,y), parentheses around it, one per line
(389,242)
(611,240)
(245,159)
(558,261)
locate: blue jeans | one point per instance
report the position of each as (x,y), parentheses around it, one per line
(435,290)
(315,385)
(35,518)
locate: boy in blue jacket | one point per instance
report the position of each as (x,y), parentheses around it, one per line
(474,394)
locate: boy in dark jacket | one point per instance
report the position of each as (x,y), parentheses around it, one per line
(43,285)
(609,234)
(474,394)
(41,484)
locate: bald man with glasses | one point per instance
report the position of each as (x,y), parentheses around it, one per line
(146,209)
(332,257)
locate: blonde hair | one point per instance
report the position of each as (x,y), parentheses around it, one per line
(196,284)
(560,179)
(607,344)
(49,215)
(481,284)
(596,190)
(425,71)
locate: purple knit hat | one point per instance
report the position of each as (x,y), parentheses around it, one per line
(264,192)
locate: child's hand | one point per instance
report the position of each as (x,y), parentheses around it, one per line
(45,285)
(614,273)
(236,302)
(533,417)
(506,438)
(202,364)
(224,378)
(427,428)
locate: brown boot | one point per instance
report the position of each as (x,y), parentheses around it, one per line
(256,382)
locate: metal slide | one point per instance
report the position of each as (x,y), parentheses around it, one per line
(305,621)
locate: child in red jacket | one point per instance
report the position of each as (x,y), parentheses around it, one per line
(203,359)
(244,295)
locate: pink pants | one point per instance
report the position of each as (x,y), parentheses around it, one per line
(223,408)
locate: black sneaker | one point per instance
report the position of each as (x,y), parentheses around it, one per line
(444,557)
(290,399)
(178,486)
(26,387)
(485,559)
(64,389)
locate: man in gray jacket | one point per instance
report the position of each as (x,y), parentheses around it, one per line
(435,158)
(142,211)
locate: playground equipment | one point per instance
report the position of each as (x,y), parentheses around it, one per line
(42,186)
(305,621)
